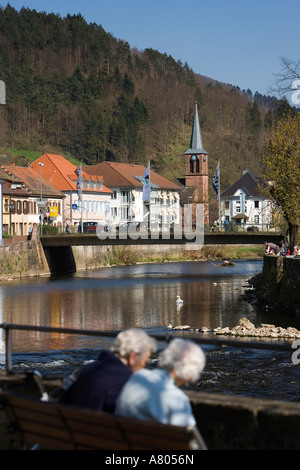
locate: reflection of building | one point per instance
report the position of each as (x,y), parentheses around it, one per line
(196,171)
(22,190)
(95,196)
(126,181)
(243,202)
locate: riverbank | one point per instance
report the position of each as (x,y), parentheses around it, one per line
(27,258)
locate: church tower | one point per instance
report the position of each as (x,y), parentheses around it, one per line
(196,167)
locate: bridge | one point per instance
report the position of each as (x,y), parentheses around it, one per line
(59,253)
(210,238)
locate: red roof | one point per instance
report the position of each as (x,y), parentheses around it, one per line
(60,172)
(127,174)
(32,181)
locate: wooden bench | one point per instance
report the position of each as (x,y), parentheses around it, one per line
(32,423)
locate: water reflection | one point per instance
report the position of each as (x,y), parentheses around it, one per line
(122,297)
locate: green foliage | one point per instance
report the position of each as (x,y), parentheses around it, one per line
(50,229)
(282,167)
(253,119)
(123,256)
(282,171)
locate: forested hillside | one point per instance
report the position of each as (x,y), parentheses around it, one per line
(73,88)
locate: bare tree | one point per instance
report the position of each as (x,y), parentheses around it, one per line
(285,80)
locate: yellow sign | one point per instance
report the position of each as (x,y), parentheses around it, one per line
(53,211)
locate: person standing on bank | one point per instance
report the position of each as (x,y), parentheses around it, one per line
(272,247)
(155,394)
(99,383)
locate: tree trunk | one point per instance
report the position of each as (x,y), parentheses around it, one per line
(293,236)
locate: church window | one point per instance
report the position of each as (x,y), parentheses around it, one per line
(194,164)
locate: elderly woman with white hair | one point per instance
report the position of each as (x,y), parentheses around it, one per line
(100,382)
(155,394)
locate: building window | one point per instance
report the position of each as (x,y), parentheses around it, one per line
(256,204)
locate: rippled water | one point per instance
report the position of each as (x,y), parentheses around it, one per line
(144,296)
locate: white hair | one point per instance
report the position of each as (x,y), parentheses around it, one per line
(184,357)
(133,340)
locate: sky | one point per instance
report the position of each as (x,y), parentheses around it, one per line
(239,42)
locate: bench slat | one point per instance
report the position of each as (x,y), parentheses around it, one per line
(49,442)
(43,430)
(151,441)
(89,441)
(87,432)
(52,419)
(144,435)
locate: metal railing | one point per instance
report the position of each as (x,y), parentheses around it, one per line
(244,227)
(196,337)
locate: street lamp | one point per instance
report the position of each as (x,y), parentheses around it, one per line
(41,167)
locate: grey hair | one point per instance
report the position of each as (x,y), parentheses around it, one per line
(133,340)
(184,357)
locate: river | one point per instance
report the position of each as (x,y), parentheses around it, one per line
(144,296)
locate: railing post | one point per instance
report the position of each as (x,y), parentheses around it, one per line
(7,350)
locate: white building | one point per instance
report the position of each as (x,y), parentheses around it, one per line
(244,203)
(127,204)
(22,196)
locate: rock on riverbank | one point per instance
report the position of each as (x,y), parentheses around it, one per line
(246,328)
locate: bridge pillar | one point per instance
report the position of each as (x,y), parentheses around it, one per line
(60,259)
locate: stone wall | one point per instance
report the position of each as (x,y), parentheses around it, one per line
(22,259)
(289,288)
(279,283)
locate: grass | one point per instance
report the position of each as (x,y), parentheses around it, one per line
(17,152)
(225,252)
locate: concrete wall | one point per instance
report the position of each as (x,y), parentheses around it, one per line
(229,422)
(87,257)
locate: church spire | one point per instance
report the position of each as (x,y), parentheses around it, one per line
(196,144)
